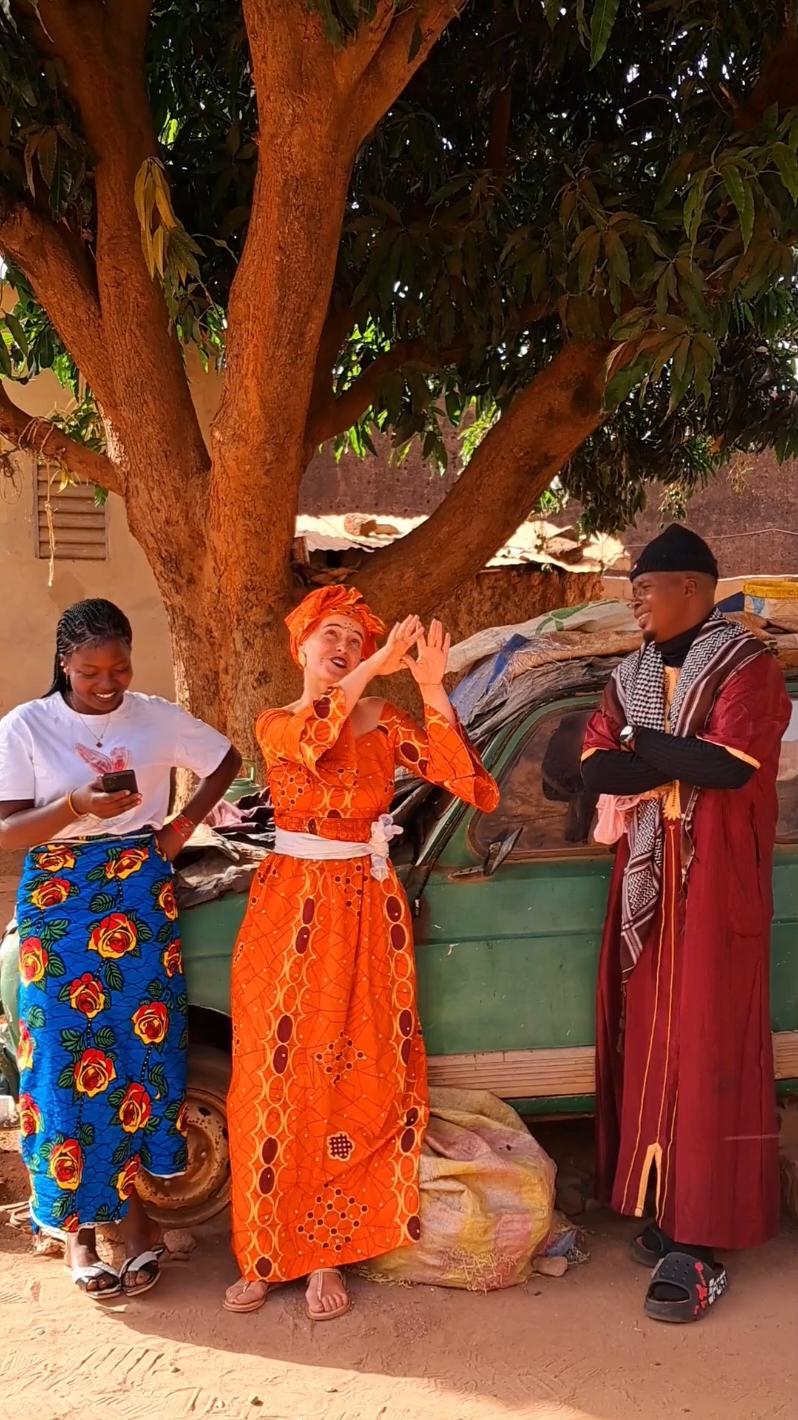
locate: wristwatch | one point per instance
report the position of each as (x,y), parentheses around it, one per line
(626,736)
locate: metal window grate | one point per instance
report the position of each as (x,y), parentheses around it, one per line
(80,530)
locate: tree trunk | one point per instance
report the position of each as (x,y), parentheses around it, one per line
(227,582)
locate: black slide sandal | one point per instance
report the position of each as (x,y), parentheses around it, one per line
(683,1288)
(650,1246)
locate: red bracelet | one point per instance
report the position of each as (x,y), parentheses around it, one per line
(183,826)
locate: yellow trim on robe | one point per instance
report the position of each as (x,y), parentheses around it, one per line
(738,753)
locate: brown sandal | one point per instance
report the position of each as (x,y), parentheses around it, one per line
(318,1278)
(253,1305)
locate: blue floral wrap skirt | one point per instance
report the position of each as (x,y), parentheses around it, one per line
(103,1019)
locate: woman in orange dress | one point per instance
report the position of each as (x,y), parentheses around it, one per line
(328,1101)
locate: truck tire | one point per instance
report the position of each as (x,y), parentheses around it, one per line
(204,1189)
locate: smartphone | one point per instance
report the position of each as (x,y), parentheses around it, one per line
(116,783)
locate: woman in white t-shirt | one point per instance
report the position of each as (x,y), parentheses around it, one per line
(103,1007)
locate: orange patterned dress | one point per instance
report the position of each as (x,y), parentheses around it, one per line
(328,1100)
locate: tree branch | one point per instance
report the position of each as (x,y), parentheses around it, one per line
(340,414)
(102,49)
(497,490)
(62,280)
(315,106)
(777,83)
(418,28)
(330,415)
(41,438)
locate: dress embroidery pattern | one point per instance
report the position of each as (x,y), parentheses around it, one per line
(328,1101)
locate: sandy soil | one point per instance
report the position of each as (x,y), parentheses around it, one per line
(578,1348)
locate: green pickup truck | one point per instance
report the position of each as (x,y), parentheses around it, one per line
(509,911)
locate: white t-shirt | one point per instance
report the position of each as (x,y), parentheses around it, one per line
(48,750)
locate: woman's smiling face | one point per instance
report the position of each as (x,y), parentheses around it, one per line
(334,649)
(99,676)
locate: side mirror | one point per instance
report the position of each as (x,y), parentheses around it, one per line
(500,850)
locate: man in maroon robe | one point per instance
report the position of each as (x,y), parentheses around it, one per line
(689,729)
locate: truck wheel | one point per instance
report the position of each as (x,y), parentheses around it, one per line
(204,1189)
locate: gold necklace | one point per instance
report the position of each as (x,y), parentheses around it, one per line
(89,728)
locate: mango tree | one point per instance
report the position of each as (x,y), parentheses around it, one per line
(380,215)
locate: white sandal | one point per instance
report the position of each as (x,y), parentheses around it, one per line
(318,1278)
(146,1262)
(82,1276)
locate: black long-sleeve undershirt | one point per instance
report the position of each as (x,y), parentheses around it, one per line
(662,759)
(618,771)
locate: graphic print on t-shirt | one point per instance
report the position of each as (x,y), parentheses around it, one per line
(112,763)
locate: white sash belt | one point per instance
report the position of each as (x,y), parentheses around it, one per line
(330,850)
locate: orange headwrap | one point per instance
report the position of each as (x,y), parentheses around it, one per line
(332,601)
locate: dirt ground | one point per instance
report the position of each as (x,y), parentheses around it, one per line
(575,1348)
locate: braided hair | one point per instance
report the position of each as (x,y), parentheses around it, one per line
(89,623)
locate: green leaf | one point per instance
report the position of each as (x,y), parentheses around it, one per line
(617,257)
(18,334)
(155,990)
(584,32)
(35,1018)
(694,205)
(588,256)
(602,22)
(114,979)
(85,1134)
(116,1097)
(157,1078)
(622,384)
(61,1207)
(57,929)
(165,934)
(6,368)
(787,164)
(66,1080)
(739,190)
(55,966)
(551,9)
(105,1038)
(101,903)
(72,1040)
(46,152)
(145,1155)
(416,42)
(151,1127)
(122,1153)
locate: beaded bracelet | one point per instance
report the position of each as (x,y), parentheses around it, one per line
(183,826)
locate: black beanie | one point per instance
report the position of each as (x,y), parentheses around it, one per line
(676,550)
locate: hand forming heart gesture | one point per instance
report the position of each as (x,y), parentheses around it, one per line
(428,666)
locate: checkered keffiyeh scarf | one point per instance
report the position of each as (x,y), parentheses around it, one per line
(720,649)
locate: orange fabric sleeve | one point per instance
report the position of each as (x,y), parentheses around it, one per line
(442,754)
(303,736)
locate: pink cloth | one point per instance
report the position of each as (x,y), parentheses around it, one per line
(613,814)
